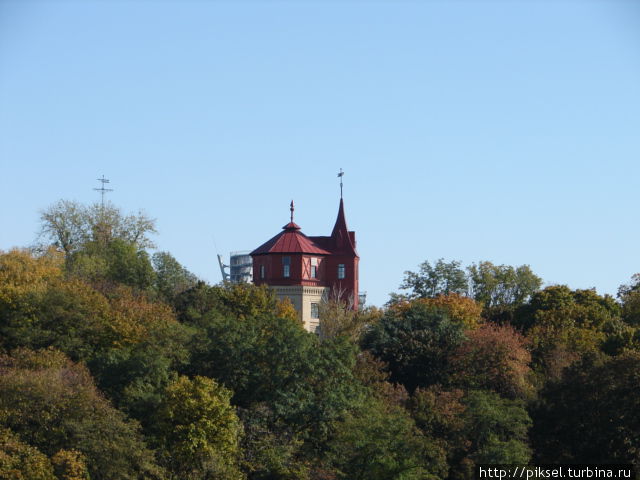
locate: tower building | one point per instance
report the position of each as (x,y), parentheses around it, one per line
(307,269)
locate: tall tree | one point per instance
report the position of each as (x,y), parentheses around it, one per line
(415,340)
(171,277)
(502,285)
(630,296)
(69,225)
(441,278)
(377,442)
(592,415)
(199,430)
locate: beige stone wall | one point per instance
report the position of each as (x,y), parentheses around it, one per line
(302,298)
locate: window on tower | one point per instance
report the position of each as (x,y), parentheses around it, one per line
(315,310)
(314,268)
(341,271)
(261,271)
(286,267)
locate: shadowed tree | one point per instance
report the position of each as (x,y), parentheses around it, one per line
(591,415)
(415,340)
(53,405)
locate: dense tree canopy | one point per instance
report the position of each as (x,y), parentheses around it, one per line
(415,341)
(52,404)
(592,414)
(116,363)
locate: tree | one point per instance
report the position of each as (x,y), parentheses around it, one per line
(116,261)
(376,442)
(564,324)
(497,287)
(441,278)
(498,429)
(458,308)
(20,461)
(69,225)
(493,358)
(415,341)
(630,297)
(592,414)
(21,272)
(234,300)
(199,430)
(502,285)
(53,405)
(472,427)
(337,319)
(171,278)
(272,450)
(70,465)
(271,360)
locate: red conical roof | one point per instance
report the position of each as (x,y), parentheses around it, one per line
(290,240)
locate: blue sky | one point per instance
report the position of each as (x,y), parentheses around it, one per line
(506,131)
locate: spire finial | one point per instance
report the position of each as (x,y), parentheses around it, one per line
(292,208)
(341,174)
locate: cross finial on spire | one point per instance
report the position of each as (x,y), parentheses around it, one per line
(341,174)
(292,208)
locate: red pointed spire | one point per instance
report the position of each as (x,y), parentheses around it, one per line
(340,234)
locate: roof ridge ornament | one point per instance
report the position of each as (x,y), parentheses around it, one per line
(340,175)
(292,208)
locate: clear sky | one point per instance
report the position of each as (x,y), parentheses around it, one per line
(506,131)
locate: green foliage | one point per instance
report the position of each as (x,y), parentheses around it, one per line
(630,297)
(375,442)
(132,345)
(199,430)
(338,319)
(171,278)
(415,340)
(500,285)
(272,450)
(440,279)
(495,286)
(473,427)
(564,324)
(497,429)
(116,261)
(592,414)
(53,405)
(273,360)
(233,300)
(71,225)
(422,390)
(19,461)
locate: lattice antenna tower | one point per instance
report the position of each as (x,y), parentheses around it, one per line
(103,190)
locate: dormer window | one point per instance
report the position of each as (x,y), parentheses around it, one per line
(286,267)
(341,271)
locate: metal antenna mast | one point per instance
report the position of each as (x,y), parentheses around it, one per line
(341,174)
(103,190)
